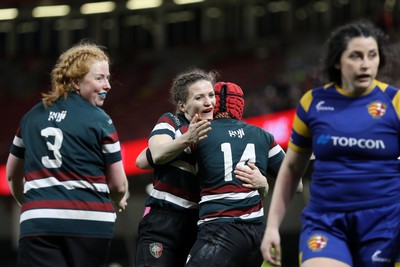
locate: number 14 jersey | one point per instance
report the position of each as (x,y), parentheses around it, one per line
(231,143)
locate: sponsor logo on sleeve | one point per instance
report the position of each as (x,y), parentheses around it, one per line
(320,106)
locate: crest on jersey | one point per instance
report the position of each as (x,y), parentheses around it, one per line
(317,242)
(156,249)
(377,109)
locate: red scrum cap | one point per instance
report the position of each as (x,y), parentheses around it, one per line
(229,98)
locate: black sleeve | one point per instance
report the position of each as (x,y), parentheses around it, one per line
(149,158)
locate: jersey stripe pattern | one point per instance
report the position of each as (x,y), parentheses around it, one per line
(231,143)
(174,184)
(355,141)
(66,148)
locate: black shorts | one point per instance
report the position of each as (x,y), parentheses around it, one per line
(50,251)
(228,245)
(165,238)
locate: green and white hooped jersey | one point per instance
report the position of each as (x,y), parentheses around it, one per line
(66,148)
(228,144)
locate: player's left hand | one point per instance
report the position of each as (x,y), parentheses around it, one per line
(124,202)
(251,176)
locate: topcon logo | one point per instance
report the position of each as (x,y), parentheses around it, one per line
(351,142)
(323,139)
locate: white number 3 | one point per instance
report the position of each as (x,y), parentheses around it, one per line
(55,147)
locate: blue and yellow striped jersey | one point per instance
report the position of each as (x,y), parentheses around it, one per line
(355,140)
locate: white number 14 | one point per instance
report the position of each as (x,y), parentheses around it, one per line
(249,154)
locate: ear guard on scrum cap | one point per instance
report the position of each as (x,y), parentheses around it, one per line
(229,98)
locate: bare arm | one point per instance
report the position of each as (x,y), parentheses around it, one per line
(15,177)
(164,149)
(287,183)
(142,162)
(118,184)
(252,178)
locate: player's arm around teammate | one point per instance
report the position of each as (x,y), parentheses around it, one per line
(253,178)
(164,149)
(168,149)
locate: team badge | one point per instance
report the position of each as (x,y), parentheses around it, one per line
(156,249)
(377,109)
(317,242)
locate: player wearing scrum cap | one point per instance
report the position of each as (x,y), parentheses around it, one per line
(167,229)
(231,224)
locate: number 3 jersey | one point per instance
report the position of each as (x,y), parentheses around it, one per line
(231,143)
(66,148)
(356,145)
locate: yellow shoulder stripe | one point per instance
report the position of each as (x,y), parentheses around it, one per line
(305,101)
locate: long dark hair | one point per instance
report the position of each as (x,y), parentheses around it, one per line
(338,41)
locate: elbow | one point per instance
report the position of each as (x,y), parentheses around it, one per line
(146,159)
(139,164)
(143,163)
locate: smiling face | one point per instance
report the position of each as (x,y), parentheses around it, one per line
(95,84)
(200,100)
(359,64)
